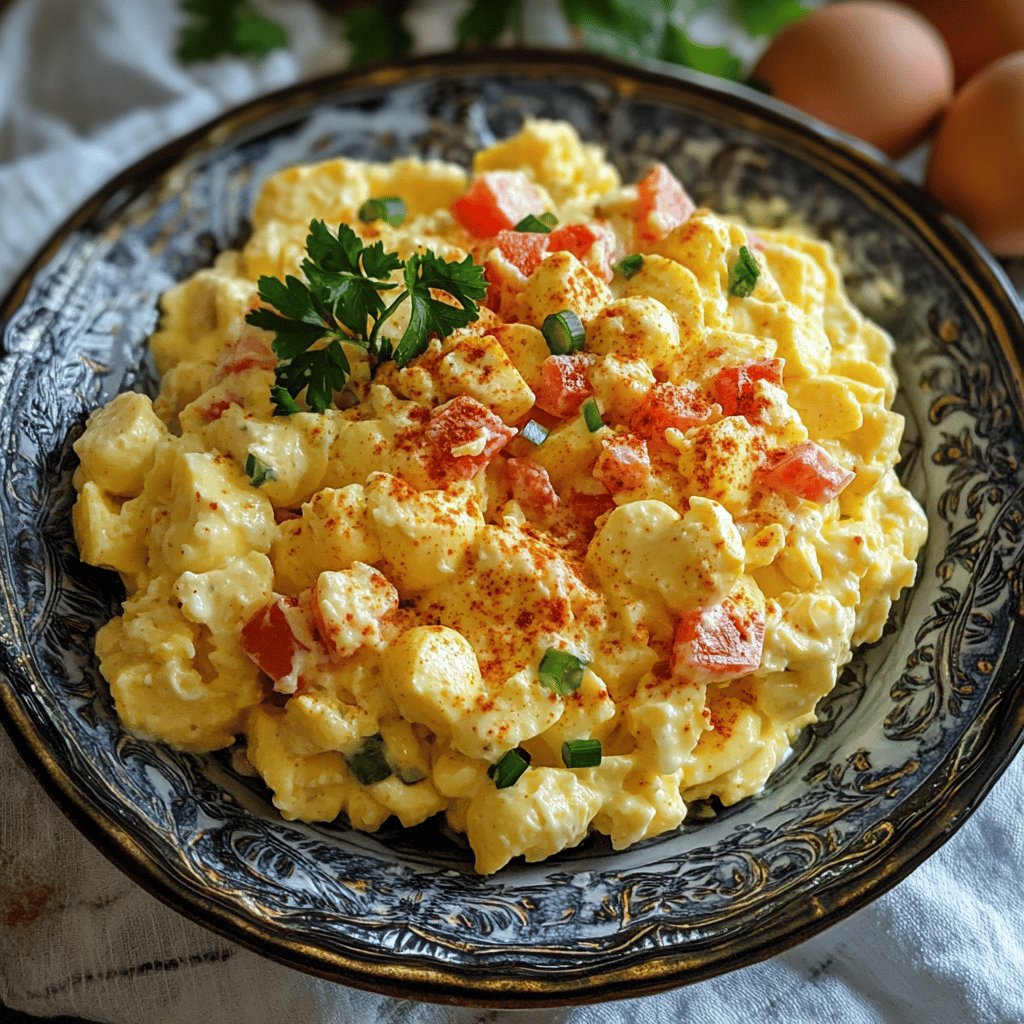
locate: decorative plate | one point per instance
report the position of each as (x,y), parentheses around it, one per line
(907,745)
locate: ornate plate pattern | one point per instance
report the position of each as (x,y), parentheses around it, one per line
(911,739)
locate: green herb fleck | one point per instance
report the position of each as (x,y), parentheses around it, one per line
(629,265)
(581,753)
(509,767)
(744,274)
(542,224)
(387,208)
(369,762)
(258,472)
(561,672)
(592,415)
(564,333)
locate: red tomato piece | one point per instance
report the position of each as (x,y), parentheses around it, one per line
(496,201)
(580,240)
(624,464)
(250,352)
(807,471)
(718,641)
(564,385)
(734,390)
(270,641)
(523,249)
(216,409)
(661,204)
(531,486)
(669,405)
(586,508)
(463,422)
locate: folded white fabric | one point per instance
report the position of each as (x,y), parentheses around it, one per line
(88,86)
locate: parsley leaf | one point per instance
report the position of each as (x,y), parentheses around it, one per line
(220,27)
(484,21)
(463,281)
(377,32)
(341,300)
(679,48)
(258,471)
(766,17)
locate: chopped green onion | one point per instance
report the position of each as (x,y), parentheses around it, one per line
(284,403)
(592,415)
(563,332)
(258,472)
(561,672)
(534,432)
(386,208)
(629,265)
(369,764)
(507,769)
(744,274)
(410,775)
(543,224)
(581,753)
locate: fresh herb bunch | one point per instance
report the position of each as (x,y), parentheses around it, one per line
(342,300)
(226,26)
(378,31)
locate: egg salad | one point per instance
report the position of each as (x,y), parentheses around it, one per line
(522,496)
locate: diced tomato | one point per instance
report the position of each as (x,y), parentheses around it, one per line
(250,352)
(523,249)
(807,471)
(734,390)
(718,641)
(669,405)
(624,464)
(580,240)
(531,486)
(269,640)
(563,385)
(661,205)
(216,409)
(586,507)
(496,201)
(463,423)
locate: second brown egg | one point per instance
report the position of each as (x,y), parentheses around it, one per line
(876,70)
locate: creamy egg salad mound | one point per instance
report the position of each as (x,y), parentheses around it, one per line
(594,550)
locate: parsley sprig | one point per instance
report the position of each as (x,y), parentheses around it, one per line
(217,27)
(342,299)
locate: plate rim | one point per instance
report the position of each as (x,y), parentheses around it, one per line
(988,285)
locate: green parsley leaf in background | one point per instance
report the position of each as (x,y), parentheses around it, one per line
(219,27)
(485,21)
(766,17)
(377,32)
(679,48)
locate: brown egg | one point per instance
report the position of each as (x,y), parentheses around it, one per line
(978,32)
(877,70)
(977,161)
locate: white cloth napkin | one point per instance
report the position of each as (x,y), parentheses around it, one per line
(86,87)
